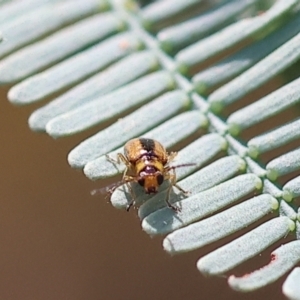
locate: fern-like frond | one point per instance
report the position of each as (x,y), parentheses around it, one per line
(173,70)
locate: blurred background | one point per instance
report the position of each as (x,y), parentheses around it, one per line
(58,242)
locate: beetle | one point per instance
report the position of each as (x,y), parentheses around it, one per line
(149,163)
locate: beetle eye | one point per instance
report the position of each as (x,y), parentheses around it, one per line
(160,179)
(141,181)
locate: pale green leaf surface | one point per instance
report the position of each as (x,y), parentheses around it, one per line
(217,191)
(283,164)
(80,66)
(200,205)
(198,101)
(196,28)
(287,211)
(111,105)
(243,248)
(254,167)
(49,17)
(220,225)
(203,179)
(13,9)
(216,124)
(274,138)
(198,152)
(291,287)
(282,260)
(235,64)
(292,189)
(270,188)
(232,34)
(76,37)
(266,107)
(272,65)
(215,173)
(165,9)
(117,134)
(235,147)
(100,84)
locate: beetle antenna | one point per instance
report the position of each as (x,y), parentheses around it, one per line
(179,166)
(107,189)
(110,188)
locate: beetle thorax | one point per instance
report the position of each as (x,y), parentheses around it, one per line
(150,178)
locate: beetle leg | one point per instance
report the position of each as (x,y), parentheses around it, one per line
(125,179)
(172,156)
(123,159)
(181,189)
(172,179)
(120,158)
(129,179)
(170,205)
(112,160)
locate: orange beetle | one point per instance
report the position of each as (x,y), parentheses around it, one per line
(148,161)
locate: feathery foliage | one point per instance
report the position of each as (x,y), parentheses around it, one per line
(173,70)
